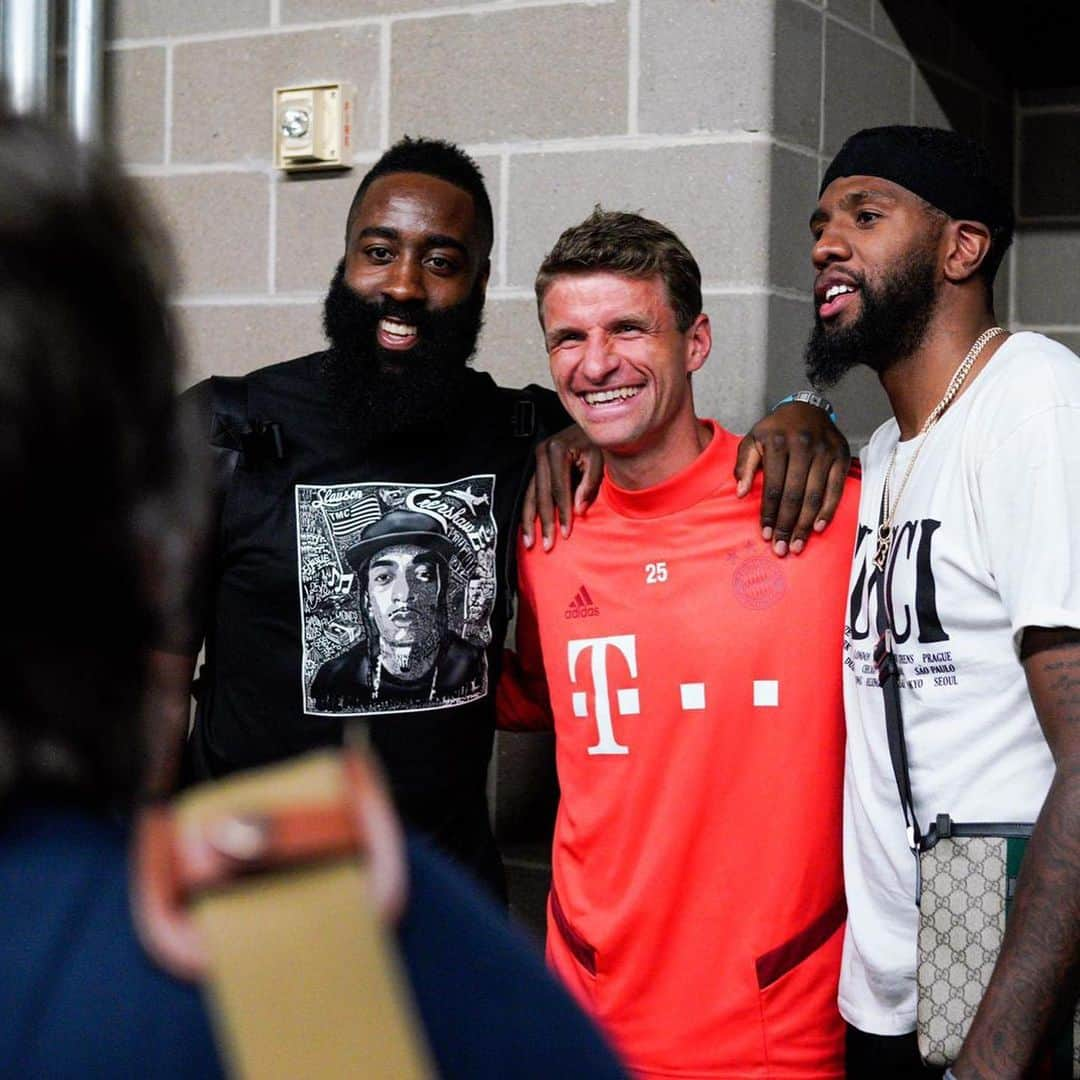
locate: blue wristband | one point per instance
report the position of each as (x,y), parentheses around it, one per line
(809,397)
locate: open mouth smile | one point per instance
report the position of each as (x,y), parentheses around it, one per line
(395,334)
(606,397)
(833,296)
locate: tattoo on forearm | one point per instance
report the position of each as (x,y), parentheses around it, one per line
(1065,685)
(1038,971)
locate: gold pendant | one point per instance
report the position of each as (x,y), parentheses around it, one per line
(881,551)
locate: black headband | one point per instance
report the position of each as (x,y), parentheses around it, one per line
(948,170)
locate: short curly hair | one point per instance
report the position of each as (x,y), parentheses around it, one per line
(629,244)
(432,157)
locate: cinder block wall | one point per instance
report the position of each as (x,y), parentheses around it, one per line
(715,116)
(661,105)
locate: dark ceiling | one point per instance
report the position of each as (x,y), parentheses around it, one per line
(1033,45)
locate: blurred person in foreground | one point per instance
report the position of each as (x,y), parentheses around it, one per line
(100,528)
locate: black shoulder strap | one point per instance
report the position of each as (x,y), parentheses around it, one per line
(228,420)
(518,412)
(534,412)
(246,441)
(889,680)
(235,441)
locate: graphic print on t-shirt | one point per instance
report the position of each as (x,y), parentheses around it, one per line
(397,587)
(920,643)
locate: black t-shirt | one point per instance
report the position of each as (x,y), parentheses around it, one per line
(305,618)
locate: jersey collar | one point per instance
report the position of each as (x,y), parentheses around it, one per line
(708,473)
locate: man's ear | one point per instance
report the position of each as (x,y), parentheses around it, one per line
(699,343)
(968,245)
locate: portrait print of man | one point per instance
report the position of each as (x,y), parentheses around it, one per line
(408,657)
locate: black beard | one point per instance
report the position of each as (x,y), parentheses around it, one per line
(891,326)
(380,394)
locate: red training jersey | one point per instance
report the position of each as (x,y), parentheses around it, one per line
(694,680)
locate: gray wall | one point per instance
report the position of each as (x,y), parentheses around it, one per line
(662,106)
(716,117)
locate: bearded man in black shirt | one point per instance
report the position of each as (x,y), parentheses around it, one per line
(328,458)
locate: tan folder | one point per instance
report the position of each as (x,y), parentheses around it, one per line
(304,977)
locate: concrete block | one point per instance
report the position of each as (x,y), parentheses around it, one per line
(731,385)
(1047,270)
(714,196)
(1048,186)
(167,18)
(865,85)
(857,12)
(220,224)
(797,74)
(527,73)
(223,90)
(883,26)
(788,328)
(792,198)
(311,212)
(236,339)
(135,103)
(706,67)
(293,11)
(512,346)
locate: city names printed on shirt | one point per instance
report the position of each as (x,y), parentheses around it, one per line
(920,643)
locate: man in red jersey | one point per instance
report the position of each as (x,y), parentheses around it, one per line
(694,687)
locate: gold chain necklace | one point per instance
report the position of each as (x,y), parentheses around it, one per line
(888,503)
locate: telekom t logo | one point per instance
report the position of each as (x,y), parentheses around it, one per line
(627,702)
(692,695)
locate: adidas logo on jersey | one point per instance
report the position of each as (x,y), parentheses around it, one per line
(582,606)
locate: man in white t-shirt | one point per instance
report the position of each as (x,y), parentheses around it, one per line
(977,483)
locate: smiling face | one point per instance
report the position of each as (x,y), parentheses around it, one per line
(876,257)
(622,367)
(415,245)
